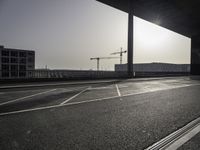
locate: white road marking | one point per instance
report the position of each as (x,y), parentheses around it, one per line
(87,101)
(93,100)
(100,88)
(184,139)
(118,91)
(152,89)
(123,86)
(67,100)
(30,110)
(89,82)
(158,78)
(56,84)
(71,89)
(64,89)
(27,97)
(178,138)
(54,106)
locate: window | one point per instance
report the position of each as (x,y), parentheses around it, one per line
(22,60)
(14,60)
(14,67)
(30,60)
(5,74)
(22,54)
(30,66)
(5,67)
(22,74)
(14,74)
(22,67)
(5,53)
(5,60)
(14,53)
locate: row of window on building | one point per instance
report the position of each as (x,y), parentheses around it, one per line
(17,60)
(16,53)
(16,63)
(13,74)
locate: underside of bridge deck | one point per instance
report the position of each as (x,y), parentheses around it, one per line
(181,16)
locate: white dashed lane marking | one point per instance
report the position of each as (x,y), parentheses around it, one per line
(118,91)
(69,99)
(29,96)
(87,101)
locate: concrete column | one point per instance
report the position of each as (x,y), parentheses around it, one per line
(195,55)
(130,40)
(1,48)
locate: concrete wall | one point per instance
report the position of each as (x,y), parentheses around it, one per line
(71,74)
(155,67)
(77,74)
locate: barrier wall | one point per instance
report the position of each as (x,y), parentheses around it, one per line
(68,74)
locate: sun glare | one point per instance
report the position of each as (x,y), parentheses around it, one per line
(150,34)
(153,43)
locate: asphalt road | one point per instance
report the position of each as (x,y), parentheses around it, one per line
(194,143)
(124,114)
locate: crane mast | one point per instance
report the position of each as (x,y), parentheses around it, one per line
(120,53)
(99,58)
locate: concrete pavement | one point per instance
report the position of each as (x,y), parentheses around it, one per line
(119,115)
(194,143)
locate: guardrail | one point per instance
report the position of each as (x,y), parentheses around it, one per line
(48,75)
(59,74)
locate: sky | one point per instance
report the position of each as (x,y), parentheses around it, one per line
(65,34)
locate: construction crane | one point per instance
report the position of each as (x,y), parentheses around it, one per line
(120,53)
(98,60)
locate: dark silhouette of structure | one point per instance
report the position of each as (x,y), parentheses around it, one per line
(99,58)
(155,67)
(181,16)
(121,52)
(16,63)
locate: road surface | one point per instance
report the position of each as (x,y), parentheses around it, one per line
(121,114)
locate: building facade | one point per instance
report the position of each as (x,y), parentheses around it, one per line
(156,67)
(16,63)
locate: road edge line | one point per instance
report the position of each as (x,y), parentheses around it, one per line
(173,137)
(82,102)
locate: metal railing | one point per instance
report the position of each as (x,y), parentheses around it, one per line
(68,74)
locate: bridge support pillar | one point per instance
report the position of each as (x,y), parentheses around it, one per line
(195,56)
(130,40)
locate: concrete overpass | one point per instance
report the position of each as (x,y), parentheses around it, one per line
(181,16)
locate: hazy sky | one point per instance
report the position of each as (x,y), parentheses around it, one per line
(66,33)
